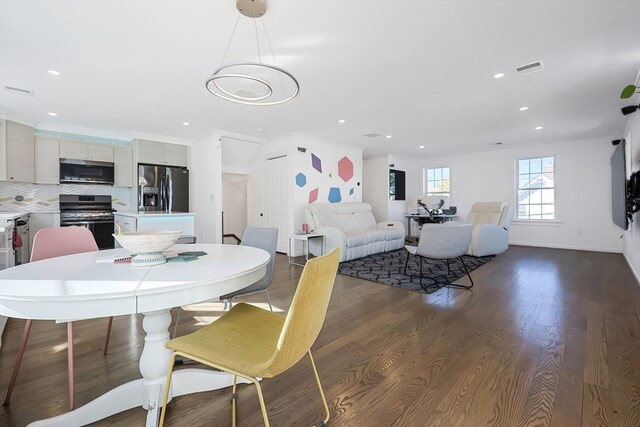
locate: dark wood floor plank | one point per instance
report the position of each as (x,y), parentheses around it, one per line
(546,337)
(596,406)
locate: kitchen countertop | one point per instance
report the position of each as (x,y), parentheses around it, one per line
(153,214)
(10,216)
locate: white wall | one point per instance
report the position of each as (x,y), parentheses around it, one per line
(583,192)
(300,162)
(206,188)
(375,186)
(631,240)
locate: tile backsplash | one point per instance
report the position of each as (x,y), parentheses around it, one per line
(44,197)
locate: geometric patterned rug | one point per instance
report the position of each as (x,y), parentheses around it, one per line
(388,268)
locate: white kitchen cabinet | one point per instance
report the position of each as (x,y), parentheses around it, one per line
(160,153)
(123,166)
(17,147)
(176,155)
(47,161)
(80,150)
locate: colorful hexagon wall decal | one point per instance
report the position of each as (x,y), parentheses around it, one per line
(345,168)
(334,195)
(316,162)
(301,180)
(313,195)
(351,191)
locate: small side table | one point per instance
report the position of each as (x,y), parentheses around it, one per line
(304,238)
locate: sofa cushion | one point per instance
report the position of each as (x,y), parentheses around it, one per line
(348,222)
(366,220)
(327,220)
(355,238)
(374,235)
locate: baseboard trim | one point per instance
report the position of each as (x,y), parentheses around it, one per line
(636,273)
(571,247)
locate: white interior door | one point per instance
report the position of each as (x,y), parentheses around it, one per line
(277,199)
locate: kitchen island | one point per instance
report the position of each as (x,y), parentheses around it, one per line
(146,221)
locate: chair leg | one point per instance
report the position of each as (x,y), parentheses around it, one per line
(406,263)
(106,340)
(18,362)
(234,398)
(268,300)
(464,266)
(324,399)
(226,303)
(448,267)
(263,407)
(166,389)
(70,365)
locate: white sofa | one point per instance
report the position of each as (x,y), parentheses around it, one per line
(352,227)
(491,222)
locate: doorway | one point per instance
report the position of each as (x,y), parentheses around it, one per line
(234,207)
(277,199)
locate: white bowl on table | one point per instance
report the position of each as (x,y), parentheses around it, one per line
(146,246)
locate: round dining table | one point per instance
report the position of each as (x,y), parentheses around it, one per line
(84,286)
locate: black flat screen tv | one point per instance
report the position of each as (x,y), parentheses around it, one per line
(619,187)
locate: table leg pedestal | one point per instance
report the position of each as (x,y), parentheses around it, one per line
(147,391)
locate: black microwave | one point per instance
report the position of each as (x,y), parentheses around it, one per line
(74,171)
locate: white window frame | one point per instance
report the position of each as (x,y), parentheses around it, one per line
(426,182)
(516,216)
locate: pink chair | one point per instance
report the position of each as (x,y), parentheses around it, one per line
(49,243)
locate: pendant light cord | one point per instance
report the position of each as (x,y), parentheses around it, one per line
(229,44)
(266,35)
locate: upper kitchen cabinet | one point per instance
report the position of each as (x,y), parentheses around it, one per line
(123,166)
(17,145)
(79,150)
(160,153)
(47,161)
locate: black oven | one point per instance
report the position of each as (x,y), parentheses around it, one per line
(92,212)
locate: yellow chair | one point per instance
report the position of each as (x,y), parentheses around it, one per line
(252,343)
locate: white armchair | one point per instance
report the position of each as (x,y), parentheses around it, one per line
(491,222)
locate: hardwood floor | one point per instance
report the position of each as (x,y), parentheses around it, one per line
(546,337)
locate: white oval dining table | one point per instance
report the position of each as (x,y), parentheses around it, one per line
(77,287)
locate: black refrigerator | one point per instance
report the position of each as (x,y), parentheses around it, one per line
(163,188)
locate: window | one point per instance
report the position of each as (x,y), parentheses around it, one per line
(536,188)
(396,185)
(438,182)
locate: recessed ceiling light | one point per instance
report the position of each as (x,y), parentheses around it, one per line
(524,108)
(53,114)
(341,121)
(53,72)
(389,137)
(185,123)
(421,146)
(538,127)
(498,76)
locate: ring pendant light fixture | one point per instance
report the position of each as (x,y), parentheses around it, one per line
(253,83)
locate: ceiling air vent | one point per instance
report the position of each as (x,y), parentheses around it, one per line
(18,90)
(372,135)
(529,68)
